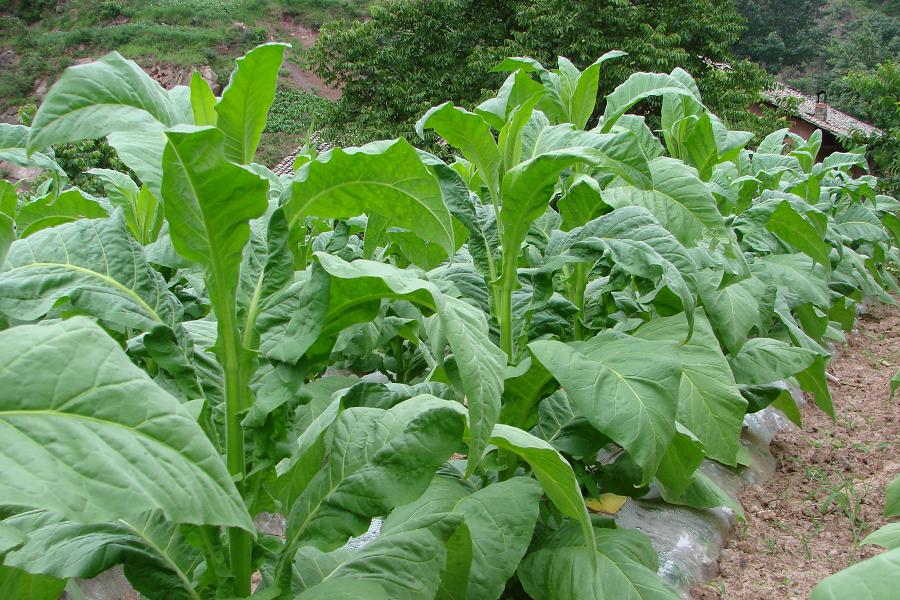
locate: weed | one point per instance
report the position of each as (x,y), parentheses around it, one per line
(843,496)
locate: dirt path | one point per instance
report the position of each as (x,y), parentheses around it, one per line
(829,491)
(303,37)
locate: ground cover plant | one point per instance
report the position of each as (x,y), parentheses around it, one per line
(568,312)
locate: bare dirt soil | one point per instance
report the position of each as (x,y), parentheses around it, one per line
(302,37)
(828,494)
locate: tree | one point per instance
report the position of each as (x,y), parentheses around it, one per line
(411,55)
(779,33)
(414,53)
(877,95)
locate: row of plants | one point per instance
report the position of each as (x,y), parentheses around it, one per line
(567,311)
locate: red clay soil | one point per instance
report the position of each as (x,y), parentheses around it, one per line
(829,490)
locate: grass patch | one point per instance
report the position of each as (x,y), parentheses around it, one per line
(293,116)
(49,36)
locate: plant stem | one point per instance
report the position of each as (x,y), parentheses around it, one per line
(507,285)
(580,275)
(236,399)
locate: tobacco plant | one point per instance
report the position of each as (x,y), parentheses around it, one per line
(466,353)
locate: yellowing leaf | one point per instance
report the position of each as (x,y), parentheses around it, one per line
(606,503)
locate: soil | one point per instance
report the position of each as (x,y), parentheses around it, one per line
(797,531)
(302,37)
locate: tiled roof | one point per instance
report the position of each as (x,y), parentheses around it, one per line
(837,122)
(286,166)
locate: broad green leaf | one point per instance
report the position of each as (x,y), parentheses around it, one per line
(13,139)
(21,585)
(209,202)
(892,499)
(581,202)
(96,266)
(887,536)
(703,492)
(785,403)
(640,259)
(734,309)
(680,461)
(527,189)
(296,317)
(9,199)
(500,518)
(157,559)
(794,230)
(10,539)
(7,235)
(142,152)
(510,139)
(471,134)
(796,273)
(637,87)
(518,88)
(859,223)
(83,418)
(479,361)
(709,403)
(635,224)
(625,396)
(203,101)
(51,210)
(378,459)
(567,431)
(267,268)
(637,125)
(679,200)
(522,391)
(812,379)
(617,153)
(245,101)
(406,563)
(345,589)
(143,215)
(622,567)
(95,99)
(551,470)
(763,360)
(387,178)
(876,578)
(773,143)
(584,95)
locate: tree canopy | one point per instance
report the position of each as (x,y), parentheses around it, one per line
(413,53)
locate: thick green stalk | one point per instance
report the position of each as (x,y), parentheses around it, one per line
(236,401)
(507,285)
(579,275)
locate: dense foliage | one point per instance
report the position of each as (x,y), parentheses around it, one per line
(411,54)
(876,95)
(850,48)
(190,352)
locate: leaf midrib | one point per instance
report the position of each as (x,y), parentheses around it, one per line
(106,278)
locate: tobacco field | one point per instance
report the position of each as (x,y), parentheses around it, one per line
(558,312)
